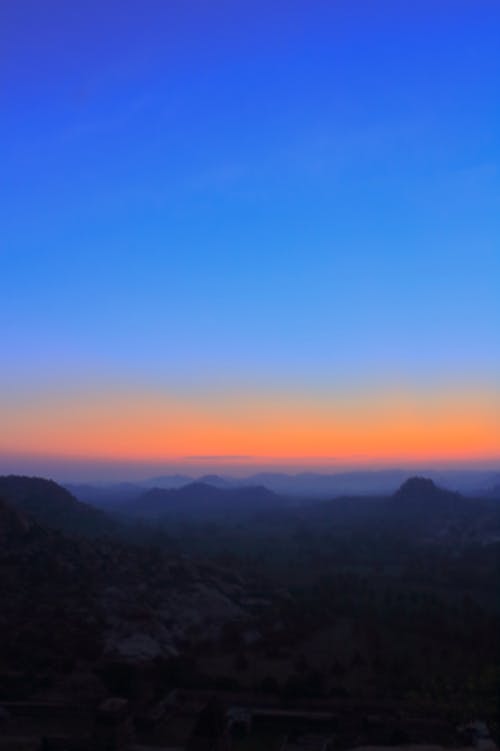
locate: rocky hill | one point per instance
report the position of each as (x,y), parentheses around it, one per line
(426,509)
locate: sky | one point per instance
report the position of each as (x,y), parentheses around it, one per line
(246,234)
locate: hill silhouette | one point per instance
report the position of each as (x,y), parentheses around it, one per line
(199,498)
(53,506)
(422,495)
(419,487)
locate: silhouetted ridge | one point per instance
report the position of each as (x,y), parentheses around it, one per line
(421,502)
(419,494)
(201,497)
(419,488)
(53,506)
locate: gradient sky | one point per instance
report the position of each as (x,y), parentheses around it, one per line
(243,229)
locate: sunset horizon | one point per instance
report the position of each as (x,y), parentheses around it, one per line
(214,430)
(226,238)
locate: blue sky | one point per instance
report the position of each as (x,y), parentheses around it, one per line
(299,193)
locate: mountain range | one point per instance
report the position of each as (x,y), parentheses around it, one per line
(302,485)
(419,506)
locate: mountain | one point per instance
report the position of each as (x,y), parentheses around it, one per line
(304,486)
(425,509)
(424,493)
(420,496)
(52,505)
(201,499)
(359,482)
(419,510)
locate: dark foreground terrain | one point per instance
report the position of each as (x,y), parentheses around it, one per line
(211,617)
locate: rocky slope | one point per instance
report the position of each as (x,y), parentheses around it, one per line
(68,600)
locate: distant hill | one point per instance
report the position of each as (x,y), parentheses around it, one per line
(200,499)
(53,506)
(419,509)
(423,493)
(417,506)
(420,501)
(328,484)
(304,486)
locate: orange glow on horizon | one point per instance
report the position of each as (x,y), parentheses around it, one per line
(354,428)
